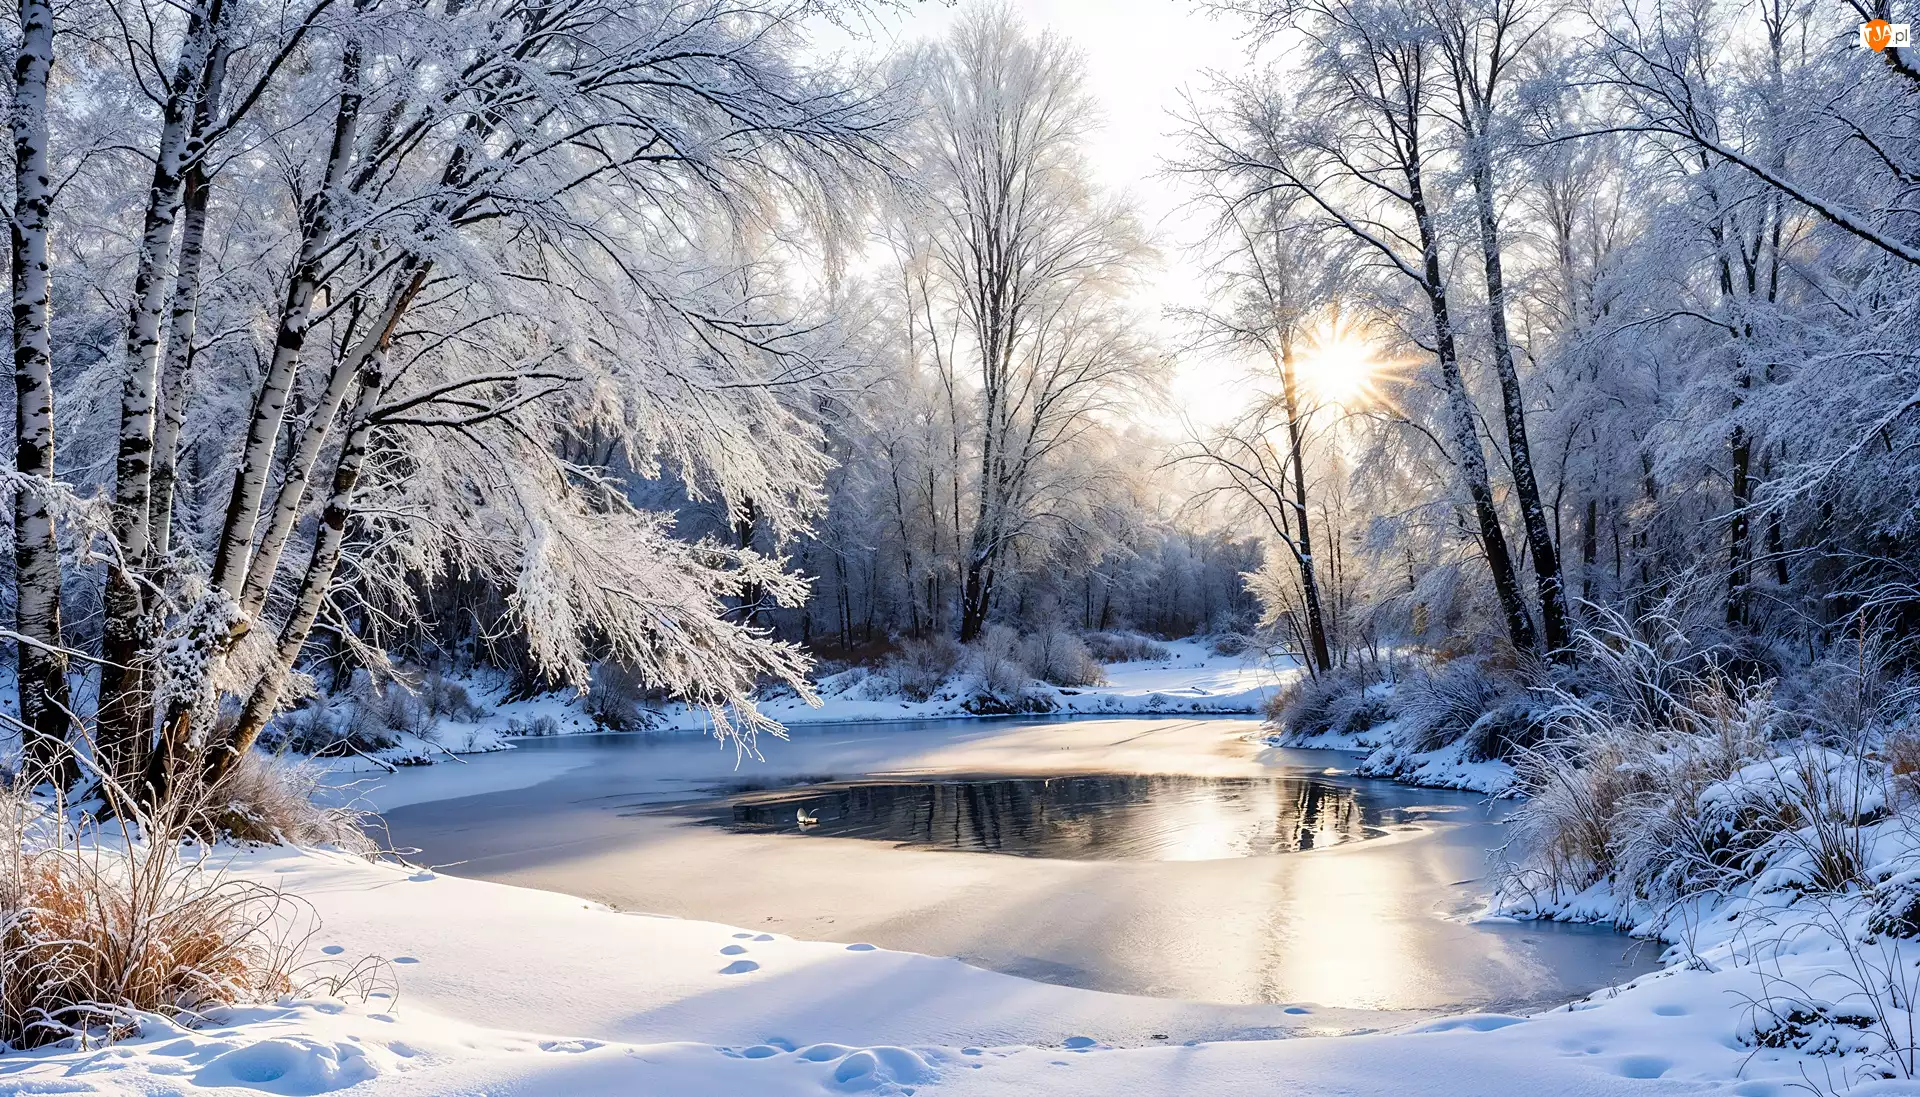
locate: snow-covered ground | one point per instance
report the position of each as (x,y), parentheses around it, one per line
(481,987)
(1192,679)
(504,990)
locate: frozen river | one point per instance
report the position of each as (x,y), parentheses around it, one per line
(1168,857)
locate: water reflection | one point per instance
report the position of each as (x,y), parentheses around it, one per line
(1085,818)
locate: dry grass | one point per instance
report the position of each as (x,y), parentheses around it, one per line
(99,924)
(1902,753)
(273,800)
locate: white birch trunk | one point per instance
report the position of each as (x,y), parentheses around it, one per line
(36,551)
(231,558)
(265,698)
(298,473)
(124,714)
(184,316)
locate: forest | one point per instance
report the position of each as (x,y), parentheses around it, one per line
(1525,391)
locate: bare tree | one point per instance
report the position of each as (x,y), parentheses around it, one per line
(1357,147)
(1276,283)
(1033,260)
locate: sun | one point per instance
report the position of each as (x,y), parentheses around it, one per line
(1339,368)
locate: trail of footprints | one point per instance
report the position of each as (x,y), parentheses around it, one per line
(741,967)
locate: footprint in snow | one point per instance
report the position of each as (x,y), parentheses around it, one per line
(571,1047)
(1643,1066)
(745,936)
(333,950)
(405,960)
(740,967)
(763,937)
(733,950)
(861,948)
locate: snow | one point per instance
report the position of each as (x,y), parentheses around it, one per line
(1193,679)
(1385,756)
(506,990)
(480,987)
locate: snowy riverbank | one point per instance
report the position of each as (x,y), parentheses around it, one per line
(504,990)
(1192,679)
(1385,756)
(419,983)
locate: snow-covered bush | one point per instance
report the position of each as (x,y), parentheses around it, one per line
(541,725)
(312,728)
(1459,698)
(447,699)
(1230,643)
(616,698)
(1901,752)
(921,667)
(1644,805)
(1666,778)
(997,661)
(100,925)
(1347,699)
(1060,657)
(380,715)
(1124,647)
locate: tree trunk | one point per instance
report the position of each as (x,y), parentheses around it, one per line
(1309,581)
(1465,435)
(1738,552)
(291,495)
(232,557)
(1546,558)
(42,663)
(176,370)
(312,594)
(125,714)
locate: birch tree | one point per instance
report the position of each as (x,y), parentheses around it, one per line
(39,643)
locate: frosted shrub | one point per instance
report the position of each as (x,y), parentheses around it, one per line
(1231,643)
(1060,657)
(273,800)
(1901,752)
(446,699)
(1642,791)
(311,728)
(538,727)
(617,698)
(1863,686)
(97,927)
(1340,701)
(1124,647)
(997,662)
(1444,706)
(381,714)
(921,667)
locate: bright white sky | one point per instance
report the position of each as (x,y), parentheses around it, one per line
(1142,58)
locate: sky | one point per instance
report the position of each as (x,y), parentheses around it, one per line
(1142,58)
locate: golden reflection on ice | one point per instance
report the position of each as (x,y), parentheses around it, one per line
(1335,943)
